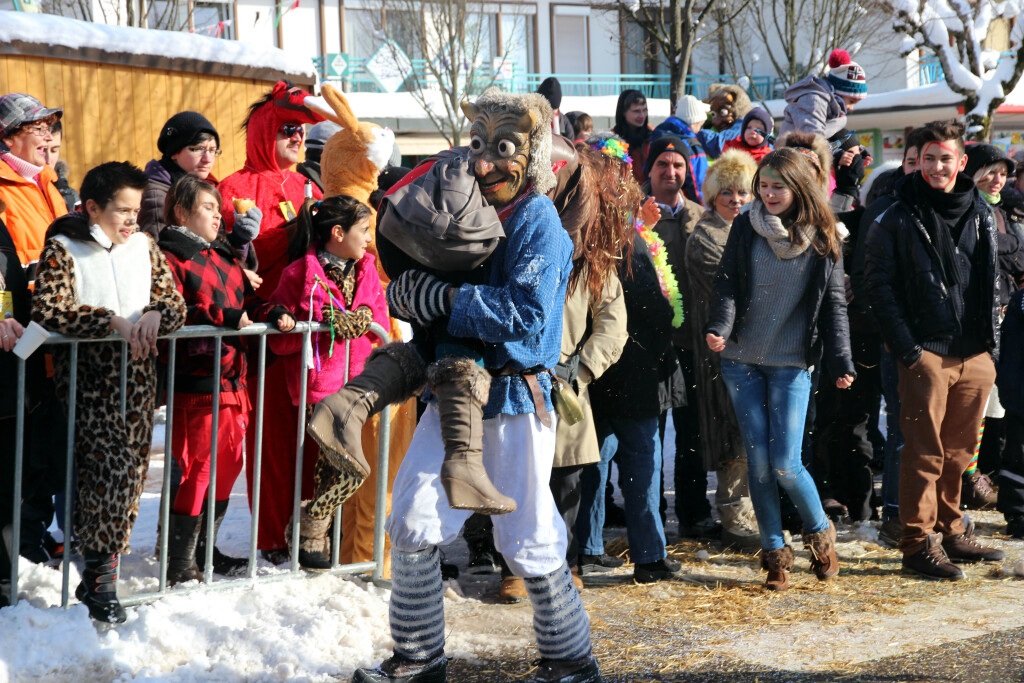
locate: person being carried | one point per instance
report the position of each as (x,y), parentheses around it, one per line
(755,136)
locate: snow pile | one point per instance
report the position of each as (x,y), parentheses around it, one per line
(51,30)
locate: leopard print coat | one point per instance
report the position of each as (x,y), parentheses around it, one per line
(111,451)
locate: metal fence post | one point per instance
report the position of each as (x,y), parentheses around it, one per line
(19,471)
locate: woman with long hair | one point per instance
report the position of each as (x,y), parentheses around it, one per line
(633,126)
(780,305)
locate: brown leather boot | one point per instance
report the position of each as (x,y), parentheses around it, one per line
(824,562)
(462,388)
(778,562)
(513,590)
(392,374)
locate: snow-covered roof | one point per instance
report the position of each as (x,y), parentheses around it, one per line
(47,35)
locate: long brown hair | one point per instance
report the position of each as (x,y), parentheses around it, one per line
(810,203)
(608,199)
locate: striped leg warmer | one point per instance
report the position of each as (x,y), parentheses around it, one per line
(416,610)
(559,618)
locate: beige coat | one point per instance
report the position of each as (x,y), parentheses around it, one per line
(577,444)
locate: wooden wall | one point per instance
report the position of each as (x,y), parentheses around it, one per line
(114,112)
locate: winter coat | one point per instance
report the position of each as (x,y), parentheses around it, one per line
(216,292)
(1010,369)
(757,152)
(824,301)
(812,106)
(696,157)
(16,301)
(633,386)
(714,141)
(1010,247)
(262,181)
(674,231)
(296,284)
(905,283)
(594,330)
(721,440)
(162,174)
(30,210)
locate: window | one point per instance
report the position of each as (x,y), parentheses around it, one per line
(209,18)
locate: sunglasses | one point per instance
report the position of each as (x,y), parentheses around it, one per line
(290,129)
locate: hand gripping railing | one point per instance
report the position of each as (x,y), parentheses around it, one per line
(306,329)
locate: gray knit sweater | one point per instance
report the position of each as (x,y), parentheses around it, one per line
(774,329)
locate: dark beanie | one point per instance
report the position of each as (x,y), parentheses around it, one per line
(551,89)
(759,114)
(666,143)
(181,129)
(979,156)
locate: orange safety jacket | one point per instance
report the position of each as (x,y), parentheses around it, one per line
(30,210)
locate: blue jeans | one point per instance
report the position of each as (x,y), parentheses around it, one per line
(771,406)
(639,461)
(893,438)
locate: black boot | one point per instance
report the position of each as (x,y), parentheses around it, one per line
(399,669)
(98,589)
(222,564)
(181,549)
(568,671)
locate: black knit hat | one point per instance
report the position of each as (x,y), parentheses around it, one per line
(181,129)
(551,89)
(666,143)
(979,156)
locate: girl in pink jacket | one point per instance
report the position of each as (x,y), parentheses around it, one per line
(333,281)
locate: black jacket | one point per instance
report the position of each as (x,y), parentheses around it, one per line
(825,300)
(1011,359)
(634,386)
(14,283)
(910,293)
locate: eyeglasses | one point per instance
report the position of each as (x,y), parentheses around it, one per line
(290,129)
(200,151)
(40,129)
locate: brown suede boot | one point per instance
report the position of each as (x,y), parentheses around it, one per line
(824,562)
(314,546)
(392,374)
(778,562)
(462,388)
(513,590)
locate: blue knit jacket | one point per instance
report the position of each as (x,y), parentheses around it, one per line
(518,313)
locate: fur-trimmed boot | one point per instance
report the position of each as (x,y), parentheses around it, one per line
(778,563)
(98,589)
(462,388)
(392,374)
(822,544)
(314,545)
(181,549)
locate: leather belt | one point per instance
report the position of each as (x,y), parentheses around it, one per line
(536,393)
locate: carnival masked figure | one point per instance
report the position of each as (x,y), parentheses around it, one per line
(515,315)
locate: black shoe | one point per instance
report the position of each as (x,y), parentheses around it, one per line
(312,560)
(649,572)
(567,671)
(702,528)
(932,562)
(1015,526)
(401,669)
(5,588)
(225,565)
(98,589)
(275,557)
(483,559)
(598,564)
(614,516)
(448,570)
(890,532)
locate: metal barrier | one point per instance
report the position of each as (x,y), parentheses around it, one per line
(306,329)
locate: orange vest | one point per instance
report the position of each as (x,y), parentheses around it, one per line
(30,210)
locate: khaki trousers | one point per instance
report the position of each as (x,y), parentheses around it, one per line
(942,404)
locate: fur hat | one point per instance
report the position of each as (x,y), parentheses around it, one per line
(846,76)
(690,110)
(728,96)
(735,168)
(813,145)
(539,168)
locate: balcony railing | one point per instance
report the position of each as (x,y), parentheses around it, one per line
(654,86)
(930,69)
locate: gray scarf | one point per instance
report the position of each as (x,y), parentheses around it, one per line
(191,235)
(771,228)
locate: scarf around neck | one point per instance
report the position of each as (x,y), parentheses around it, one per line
(771,228)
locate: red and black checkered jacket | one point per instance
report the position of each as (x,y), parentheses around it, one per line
(217,292)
